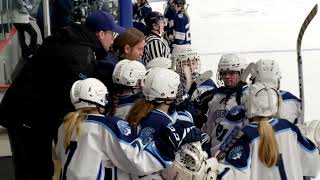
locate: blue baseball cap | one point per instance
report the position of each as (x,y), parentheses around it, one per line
(103,21)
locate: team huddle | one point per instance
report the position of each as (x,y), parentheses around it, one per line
(245,127)
(134,104)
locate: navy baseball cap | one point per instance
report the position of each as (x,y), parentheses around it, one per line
(103,21)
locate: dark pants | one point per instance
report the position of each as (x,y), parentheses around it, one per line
(30,49)
(31,150)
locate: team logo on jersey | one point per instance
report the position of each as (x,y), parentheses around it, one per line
(235,153)
(219,114)
(124,127)
(146,135)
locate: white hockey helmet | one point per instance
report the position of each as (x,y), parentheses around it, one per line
(261,99)
(160,84)
(89,92)
(187,58)
(160,62)
(128,73)
(267,71)
(230,62)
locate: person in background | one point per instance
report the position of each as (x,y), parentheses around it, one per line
(60,12)
(63,58)
(169,15)
(21,20)
(181,24)
(127,45)
(140,10)
(155,45)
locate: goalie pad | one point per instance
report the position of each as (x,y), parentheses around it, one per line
(190,164)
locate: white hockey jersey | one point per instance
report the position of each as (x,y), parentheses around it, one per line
(290,107)
(299,156)
(107,148)
(220,104)
(124,105)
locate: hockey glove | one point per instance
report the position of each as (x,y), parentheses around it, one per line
(176,135)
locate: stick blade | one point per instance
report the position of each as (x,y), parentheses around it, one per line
(304,26)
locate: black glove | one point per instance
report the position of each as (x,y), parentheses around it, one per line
(237,113)
(206,143)
(176,135)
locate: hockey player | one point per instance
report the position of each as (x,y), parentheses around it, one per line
(127,76)
(150,115)
(187,59)
(181,24)
(187,63)
(268,71)
(155,45)
(169,15)
(140,10)
(269,148)
(225,97)
(93,146)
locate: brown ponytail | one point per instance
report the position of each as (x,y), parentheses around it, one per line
(268,147)
(139,110)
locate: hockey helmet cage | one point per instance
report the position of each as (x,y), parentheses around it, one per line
(261,100)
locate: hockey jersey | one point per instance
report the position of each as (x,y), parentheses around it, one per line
(124,105)
(181,29)
(169,15)
(298,156)
(140,11)
(290,107)
(107,148)
(222,101)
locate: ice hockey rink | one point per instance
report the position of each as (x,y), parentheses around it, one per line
(254,29)
(259,29)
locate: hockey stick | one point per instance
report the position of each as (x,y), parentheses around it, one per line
(187,78)
(229,142)
(303,28)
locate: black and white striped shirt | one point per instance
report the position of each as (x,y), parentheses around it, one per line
(155,47)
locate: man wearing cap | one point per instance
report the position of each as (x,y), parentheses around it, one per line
(34,105)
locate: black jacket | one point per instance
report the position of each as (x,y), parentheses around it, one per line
(39,96)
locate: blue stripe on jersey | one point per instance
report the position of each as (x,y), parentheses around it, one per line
(112,126)
(280,126)
(128,99)
(116,126)
(151,148)
(185,116)
(286,96)
(99,172)
(209,83)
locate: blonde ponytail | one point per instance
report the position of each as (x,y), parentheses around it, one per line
(72,121)
(268,147)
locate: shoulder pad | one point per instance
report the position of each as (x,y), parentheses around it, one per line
(288,96)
